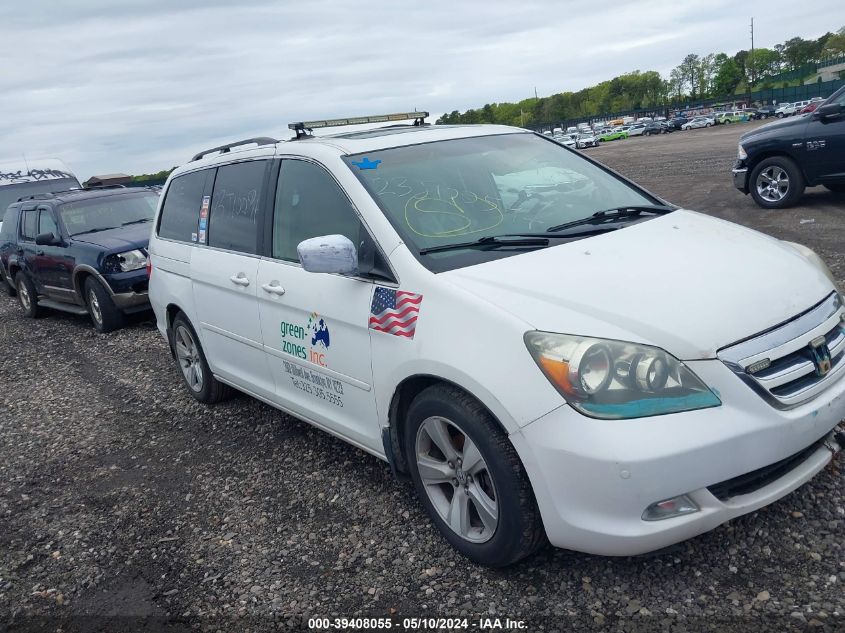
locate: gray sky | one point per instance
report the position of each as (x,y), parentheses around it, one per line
(127,86)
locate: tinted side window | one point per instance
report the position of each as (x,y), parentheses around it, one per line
(29,224)
(309,203)
(235,206)
(46,223)
(181,211)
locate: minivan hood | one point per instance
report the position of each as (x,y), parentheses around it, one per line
(686,282)
(123,238)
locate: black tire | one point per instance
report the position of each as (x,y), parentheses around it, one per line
(519,530)
(27,295)
(105,315)
(795,182)
(836,188)
(210,390)
(8,285)
(780,115)
(708,125)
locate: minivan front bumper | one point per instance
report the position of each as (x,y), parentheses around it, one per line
(593,479)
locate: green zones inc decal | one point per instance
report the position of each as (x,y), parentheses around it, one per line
(309,342)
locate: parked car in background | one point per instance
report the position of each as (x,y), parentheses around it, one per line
(764,112)
(636,129)
(656,127)
(18,180)
(697,122)
(600,413)
(777,161)
(733,116)
(586,139)
(784,110)
(565,139)
(79,251)
(612,135)
(677,123)
(811,107)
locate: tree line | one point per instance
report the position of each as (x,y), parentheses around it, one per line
(696,77)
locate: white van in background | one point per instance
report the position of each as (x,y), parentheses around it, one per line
(29,178)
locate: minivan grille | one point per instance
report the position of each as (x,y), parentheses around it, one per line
(795,361)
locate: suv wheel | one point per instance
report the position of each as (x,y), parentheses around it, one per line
(194,367)
(104,314)
(470,479)
(27,295)
(776,183)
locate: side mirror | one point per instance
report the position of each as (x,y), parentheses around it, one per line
(828,110)
(328,254)
(47,239)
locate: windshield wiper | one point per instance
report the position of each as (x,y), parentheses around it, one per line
(108,228)
(493,241)
(141,221)
(615,214)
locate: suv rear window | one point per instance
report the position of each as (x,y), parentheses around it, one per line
(236,206)
(181,211)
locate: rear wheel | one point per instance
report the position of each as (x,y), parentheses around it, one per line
(27,295)
(707,124)
(776,183)
(193,365)
(470,479)
(8,286)
(836,188)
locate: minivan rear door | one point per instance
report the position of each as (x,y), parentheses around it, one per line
(224,271)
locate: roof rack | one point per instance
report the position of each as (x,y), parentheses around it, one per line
(37,196)
(98,187)
(258,140)
(303,128)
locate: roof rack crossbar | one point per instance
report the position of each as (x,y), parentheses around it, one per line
(258,140)
(112,186)
(303,128)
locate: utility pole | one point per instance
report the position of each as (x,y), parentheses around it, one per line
(753,61)
(535,92)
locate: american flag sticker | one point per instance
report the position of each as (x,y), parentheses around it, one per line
(395,312)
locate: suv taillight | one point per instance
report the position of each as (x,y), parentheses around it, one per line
(149,267)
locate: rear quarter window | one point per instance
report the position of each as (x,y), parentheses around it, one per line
(236,206)
(180,212)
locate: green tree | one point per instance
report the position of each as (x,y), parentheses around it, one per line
(727,78)
(835,44)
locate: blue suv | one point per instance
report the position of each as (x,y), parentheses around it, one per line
(80,251)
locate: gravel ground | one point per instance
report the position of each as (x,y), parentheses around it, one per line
(125,505)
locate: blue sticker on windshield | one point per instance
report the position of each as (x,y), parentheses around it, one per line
(367,163)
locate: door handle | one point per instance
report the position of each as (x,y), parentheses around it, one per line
(239,280)
(274,288)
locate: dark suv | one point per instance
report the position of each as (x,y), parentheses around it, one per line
(80,251)
(777,161)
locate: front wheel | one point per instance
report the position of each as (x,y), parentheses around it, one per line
(105,315)
(708,124)
(776,183)
(470,479)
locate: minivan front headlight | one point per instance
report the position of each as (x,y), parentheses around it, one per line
(613,380)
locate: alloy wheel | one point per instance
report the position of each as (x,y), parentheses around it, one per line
(188,356)
(23,295)
(456,479)
(773,184)
(96,310)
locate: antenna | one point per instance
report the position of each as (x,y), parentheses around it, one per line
(25,162)
(753,61)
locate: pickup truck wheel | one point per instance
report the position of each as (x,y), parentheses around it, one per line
(105,316)
(470,479)
(193,365)
(776,183)
(836,188)
(27,295)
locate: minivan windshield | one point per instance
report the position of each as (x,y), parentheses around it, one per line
(108,212)
(461,190)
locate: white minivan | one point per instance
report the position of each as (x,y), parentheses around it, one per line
(546,349)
